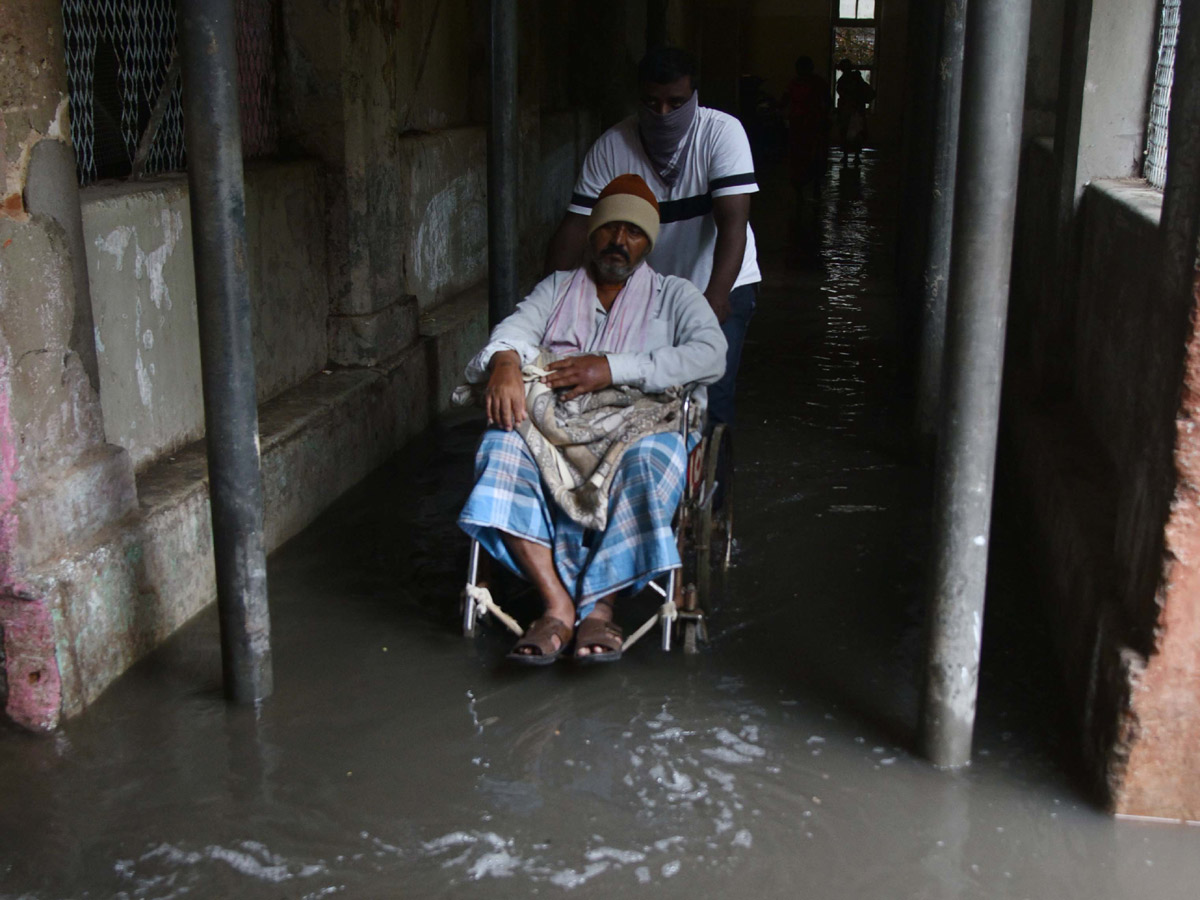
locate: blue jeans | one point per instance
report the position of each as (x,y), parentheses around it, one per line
(721,394)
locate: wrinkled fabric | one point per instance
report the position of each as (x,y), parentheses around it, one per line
(572,322)
(638,544)
(665,138)
(577,444)
(684,343)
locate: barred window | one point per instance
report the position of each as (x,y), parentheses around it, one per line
(1160,100)
(125,92)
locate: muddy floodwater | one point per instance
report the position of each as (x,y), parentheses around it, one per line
(397,759)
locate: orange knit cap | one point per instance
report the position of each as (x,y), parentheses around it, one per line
(627,198)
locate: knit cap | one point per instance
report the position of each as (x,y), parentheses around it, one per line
(627,198)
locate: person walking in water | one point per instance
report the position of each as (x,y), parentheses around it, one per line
(808,108)
(854,96)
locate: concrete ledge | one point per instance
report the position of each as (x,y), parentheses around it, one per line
(455,330)
(139,252)
(74,502)
(318,440)
(368,339)
(99,608)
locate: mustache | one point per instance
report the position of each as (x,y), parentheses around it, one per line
(616,250)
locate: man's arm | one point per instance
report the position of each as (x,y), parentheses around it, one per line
(696,352)
(521,332)
(731,213)
(504,398)
(566,247)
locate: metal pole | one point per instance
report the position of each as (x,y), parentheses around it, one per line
(997,41)
(935,279)
(502,164)
(214,147)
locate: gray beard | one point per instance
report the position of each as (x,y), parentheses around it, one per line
(610,272)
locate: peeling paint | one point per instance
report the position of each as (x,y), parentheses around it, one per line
(115,243)
(152,263)
(8,475)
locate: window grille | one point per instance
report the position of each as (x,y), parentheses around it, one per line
(125,93)
(256,77)
(1160,99)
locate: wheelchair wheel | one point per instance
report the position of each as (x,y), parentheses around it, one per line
(714,524)
(691,637)
(722,541)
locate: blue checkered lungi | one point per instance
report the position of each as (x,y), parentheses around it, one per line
(637,544)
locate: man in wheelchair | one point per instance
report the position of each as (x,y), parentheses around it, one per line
(579,476)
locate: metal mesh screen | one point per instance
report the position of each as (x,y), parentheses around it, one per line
(256,76)
(1160,99)
(119,55)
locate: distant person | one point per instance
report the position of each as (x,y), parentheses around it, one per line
(808,108)
(854,96)
(697,161)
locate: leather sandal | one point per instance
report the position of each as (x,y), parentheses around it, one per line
(598,633)
(540,637)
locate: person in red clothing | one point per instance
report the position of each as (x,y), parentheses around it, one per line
(808,109)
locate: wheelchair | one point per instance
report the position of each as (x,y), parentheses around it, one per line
(703,529)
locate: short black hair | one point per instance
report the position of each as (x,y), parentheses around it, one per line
(662,65)
(804,65)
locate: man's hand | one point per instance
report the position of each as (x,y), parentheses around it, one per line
(719,301)
(504,399)
(582,374)
(730,213)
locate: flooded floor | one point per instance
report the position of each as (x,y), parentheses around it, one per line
(397,759)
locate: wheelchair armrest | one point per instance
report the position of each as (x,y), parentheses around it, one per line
(686,409)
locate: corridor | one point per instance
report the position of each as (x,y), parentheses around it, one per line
(396,759)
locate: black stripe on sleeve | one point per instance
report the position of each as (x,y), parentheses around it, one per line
(580,200)
(732,181)
(687,208)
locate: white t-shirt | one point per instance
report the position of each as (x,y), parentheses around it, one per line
(717,163)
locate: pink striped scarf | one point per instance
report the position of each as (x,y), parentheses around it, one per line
(572,320)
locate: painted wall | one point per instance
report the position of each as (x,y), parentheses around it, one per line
(144,299)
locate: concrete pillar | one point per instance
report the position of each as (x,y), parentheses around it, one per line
(1104,88)
(338,104)
(1105,72)
(61,485)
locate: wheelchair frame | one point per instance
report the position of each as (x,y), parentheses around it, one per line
(686,603)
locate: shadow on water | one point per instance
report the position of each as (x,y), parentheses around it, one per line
(398,759)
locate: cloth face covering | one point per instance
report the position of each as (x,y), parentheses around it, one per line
(664,137)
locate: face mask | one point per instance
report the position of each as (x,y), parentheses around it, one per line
(664,136)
